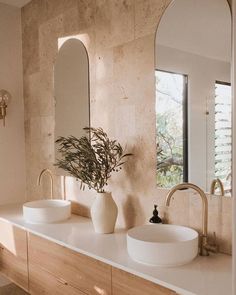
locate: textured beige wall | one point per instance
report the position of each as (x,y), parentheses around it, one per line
(119,37)
(12,145)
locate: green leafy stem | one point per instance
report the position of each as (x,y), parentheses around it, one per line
(92,158)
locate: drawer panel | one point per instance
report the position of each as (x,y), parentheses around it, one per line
(43,283)
(13,254)
(80,271)
(124,283)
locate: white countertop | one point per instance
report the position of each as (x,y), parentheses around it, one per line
(210,275)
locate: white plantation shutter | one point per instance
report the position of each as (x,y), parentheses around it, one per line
(223,132)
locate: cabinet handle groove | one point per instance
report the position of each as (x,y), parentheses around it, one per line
(61,281)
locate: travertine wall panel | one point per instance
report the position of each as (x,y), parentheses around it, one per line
(119,37)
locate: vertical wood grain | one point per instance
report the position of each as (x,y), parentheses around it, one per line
(13,254)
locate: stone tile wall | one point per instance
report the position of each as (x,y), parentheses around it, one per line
(119,37)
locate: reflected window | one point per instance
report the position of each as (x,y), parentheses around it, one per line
(223,133)
(171,127)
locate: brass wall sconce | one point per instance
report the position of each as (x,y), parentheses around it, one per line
(5,96)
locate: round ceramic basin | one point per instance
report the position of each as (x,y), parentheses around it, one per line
(162,245)
(46,211)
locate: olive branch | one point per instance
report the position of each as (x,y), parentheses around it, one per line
(92,158)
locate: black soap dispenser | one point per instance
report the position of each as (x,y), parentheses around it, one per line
(155,218)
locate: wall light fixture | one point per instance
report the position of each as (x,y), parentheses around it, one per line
(5,97)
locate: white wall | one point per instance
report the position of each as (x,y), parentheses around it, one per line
(202,73)
(201,27)
(234,143)
(12,147)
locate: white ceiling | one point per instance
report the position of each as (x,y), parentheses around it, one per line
(17,3)
(201,27)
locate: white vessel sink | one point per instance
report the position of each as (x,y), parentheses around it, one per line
(162,244)
(46,211)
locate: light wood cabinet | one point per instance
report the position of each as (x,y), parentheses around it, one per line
(124,283)
(13,254)
(78,271)
(42,267)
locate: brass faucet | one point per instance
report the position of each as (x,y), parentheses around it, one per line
(204,246)
(214,184)
(51,178)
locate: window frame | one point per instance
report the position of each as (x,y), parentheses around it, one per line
(185,121)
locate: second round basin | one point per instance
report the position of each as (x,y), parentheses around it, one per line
(162,244)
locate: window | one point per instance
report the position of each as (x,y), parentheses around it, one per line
(171,127)
(223,133)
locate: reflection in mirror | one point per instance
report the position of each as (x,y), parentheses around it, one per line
(171,128)
(71,90)
(193,95)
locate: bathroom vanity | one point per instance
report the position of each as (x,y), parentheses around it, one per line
(69,258)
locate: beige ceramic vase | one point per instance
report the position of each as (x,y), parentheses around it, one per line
(104,213)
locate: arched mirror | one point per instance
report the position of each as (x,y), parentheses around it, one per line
(193,95)
(71,90)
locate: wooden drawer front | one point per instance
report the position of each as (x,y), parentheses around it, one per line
(43,283)
(84,273)
(13,254)
(124,283)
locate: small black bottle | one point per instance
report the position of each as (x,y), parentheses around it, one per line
(155,218)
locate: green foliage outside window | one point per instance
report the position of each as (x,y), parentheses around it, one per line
(169,126)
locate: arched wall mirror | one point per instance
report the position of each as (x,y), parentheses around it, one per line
(71,90)
(193,95)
